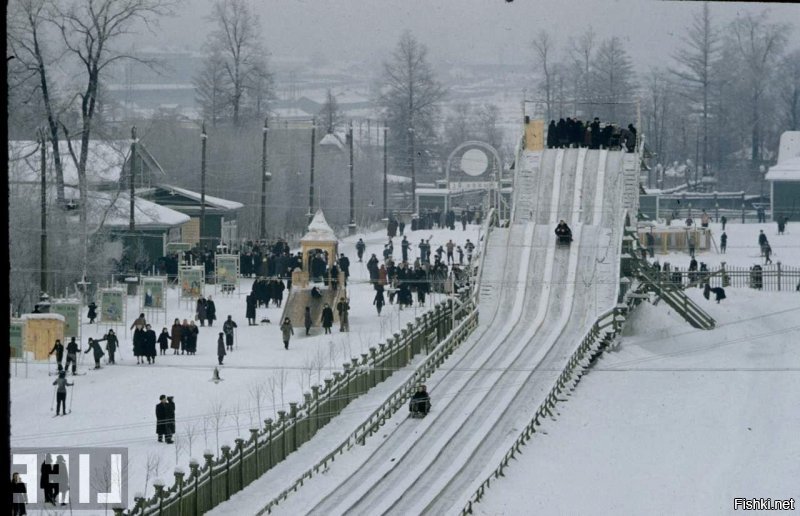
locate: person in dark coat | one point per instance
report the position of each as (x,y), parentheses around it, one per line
(552,135)
(138,344)
(46,476)
(762,240)
(62,475)
(98,352)
(723,242)
(139,323)
(164,423)
(19,495)
(92,312)
(420,401)
(227,328)
(379,301)
(150,340)
(58,349)
(343,307)
(344,266)
(72,355)
(111,345)
(221,347)
(250,310)
(286,332)
(177,336)
(163,340)
(200,311)
(327,318)
(191,342)
(279,287)
(307,319)
(360,248)
(211,311)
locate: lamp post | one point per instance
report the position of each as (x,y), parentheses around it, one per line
(352,226)
(132,222)
(385,173)
(265,177)
(203,139)
(310,213)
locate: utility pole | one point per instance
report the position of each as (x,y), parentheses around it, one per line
(311,182)
(265,176)
(385,173)
(132,221)
(411,157)
(43,241)
(352,226)
(203,138)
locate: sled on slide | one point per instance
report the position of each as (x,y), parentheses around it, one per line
(419,408)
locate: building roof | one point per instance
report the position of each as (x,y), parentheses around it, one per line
(319,230)
(789,147)
(214,202)
(105,161)
(786,170)
(112,210)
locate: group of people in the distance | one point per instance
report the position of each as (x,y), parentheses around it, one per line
(574,133)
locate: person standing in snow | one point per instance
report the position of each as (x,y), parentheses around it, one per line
(287,331)
(58,349)
(191,341)
(163,423)
(723,242)
(360,248)
(470,247)
(98,352)
(307,322)
(61,392)
(19,495)
(150,344)
(343,307)
(723,220)
(379,301)
(227,328)
(72,355)
(211,311)
(177,336)
(200,311)
(221,348)
(163,340)
(139,323)
(327,318)
(762,240)
(92,312)
(250,310)
(111,345)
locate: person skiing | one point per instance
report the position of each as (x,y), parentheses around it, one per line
(72,355)
(379,301)
(307,319)
(61,392)
(111,345)
(98,352)
(227,329)
(360,248)
(92,312)
(221,347)
(327,318)
(163,340)
(58,349)
(211,311)
(342,308)
(420,401)
(287,331)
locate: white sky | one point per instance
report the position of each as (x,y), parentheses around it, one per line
(462,30)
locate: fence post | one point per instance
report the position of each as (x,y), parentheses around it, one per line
(240,448)
(159,487)
(254,438)
(194,467)
(372,370)
(179,474)
(270,444)
(293,433)
(313,416)
(779,276)
(282,422)
(226,453)
(209,459)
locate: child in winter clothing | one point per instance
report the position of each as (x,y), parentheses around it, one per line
(61,392)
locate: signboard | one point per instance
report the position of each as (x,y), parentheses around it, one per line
(190,231)
(534,135)
(153,291)
(177,247)
(192,279)
(112,305)
(72,319)
(227,269)
(15,340)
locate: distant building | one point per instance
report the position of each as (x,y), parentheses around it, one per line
(784,178)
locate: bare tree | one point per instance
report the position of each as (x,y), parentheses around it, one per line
(180,445)
(543,47)
(190,433)
(236,413)
(331,114)
(759,44)
(614,78)
(789,90)
(695,69)
(257,392)
(656,109)
(153,469)
(236,44)
(581,52)
(210,88)
(410,101)
(283,377)
(218,417)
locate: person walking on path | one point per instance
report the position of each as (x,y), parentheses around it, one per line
(211,311)
(450,247)
(72,355)
(227,329)
(150,340)
(221,348)
(98,352)
(92,312)
(723,242)
(307,322)
(762,241)
(724,221)
(767,253)
(200,311)
(111,345)
(327,318)
(61,384)
(343,307)
(165,419)
(379,301)
(58,349)
(163,340)
(360,248)
(286,331)
(250,309)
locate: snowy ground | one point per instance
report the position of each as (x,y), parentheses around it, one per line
(115,405)
(677,420)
